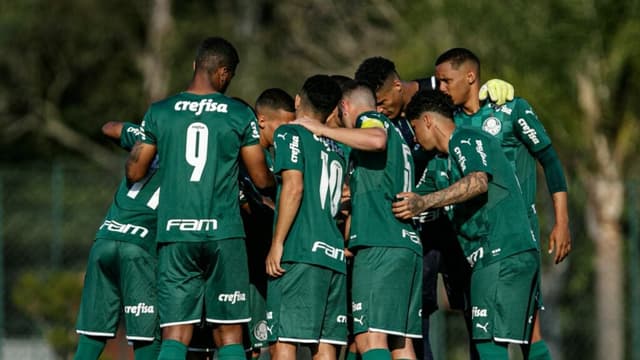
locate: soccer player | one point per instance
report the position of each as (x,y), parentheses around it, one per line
(307,295)
(121,271)
(202,263)
(274,107)
(387,268)
(441,251)
(491,221)
(524,141)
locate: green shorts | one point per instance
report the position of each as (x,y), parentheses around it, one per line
(387,291)
(209,277)
(120,279)
(308,304)
(257,331)
(504,298)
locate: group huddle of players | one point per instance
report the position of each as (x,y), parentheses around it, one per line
(322,221)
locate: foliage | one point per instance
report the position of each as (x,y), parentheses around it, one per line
(52,300)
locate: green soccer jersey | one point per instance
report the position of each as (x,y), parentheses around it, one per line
(377,178)
(198,138)
(132,215)
(314,237)
(520,133)
(493,225)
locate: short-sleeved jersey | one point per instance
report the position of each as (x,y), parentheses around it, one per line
(132,215)
(314,237)
(520,133)
(493,225)
(376,179)
(198,138)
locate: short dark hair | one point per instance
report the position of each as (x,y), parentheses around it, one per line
(375,71)
(352,85)
(341,79)
(214,53)
(322,93)
(458,56)
(430,100)
(276,98)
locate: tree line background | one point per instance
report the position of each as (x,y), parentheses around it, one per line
(68,66)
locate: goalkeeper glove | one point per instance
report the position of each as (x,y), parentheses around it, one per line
(499,91)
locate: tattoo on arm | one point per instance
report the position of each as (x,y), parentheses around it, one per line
(464,189)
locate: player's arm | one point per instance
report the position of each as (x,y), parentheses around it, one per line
(367,139)
(288,205)
(560,237)
(253,158)
(139,159)
(113,129)
(470,186)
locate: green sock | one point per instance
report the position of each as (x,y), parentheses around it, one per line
(539,351)
(146,350)
(90,347)
(172,350)
(490,350)
(377,354)
(231,352)
(351,356)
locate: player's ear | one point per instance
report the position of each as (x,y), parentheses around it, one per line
(261,121)
(471,77)
(297,102)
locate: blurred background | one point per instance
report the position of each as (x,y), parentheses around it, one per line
(68,66)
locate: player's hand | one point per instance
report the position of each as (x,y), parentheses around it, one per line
(312,125)
(560,242)
(411,205)
(499,91)
(273,260)
(348,253)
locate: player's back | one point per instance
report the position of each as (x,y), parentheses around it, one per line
(199,139)
(314,236)
(132,215)
(376,179)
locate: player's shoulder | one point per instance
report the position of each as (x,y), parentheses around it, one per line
(372,119)
(467,135)
(285,132)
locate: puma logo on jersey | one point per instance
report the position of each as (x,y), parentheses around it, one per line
(467,141)
(359,320)
(483,327)
(281,136)
(529,112)
(528,131)
(198,107)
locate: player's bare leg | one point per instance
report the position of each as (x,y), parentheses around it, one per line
(175,340)
(370,342)
(228,339)
(537,350)
(401,348)
(283,351)
(180,333)
(325,351)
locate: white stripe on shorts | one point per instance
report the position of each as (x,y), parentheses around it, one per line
(140,338)
(397,333)
(180,323)
(333,342)
(236,321)
(94,333)
(304,341)
(513,341)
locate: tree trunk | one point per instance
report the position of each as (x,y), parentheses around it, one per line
(605,203)
(152,62)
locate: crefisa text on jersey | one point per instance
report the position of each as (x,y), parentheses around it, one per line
(198,107)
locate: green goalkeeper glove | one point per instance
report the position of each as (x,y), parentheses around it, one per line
(499,91)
